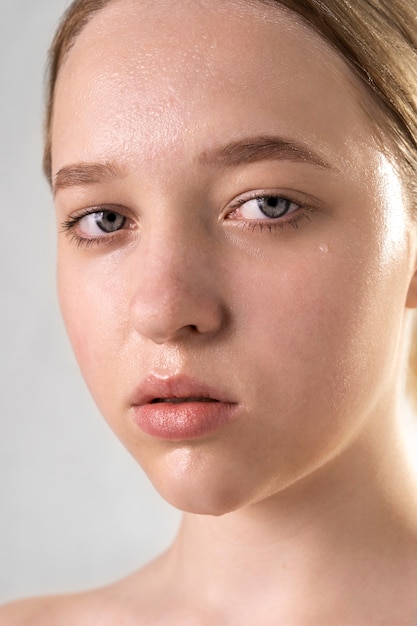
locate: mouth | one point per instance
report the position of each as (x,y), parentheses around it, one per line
(177,390)
(181,400)
(179,408)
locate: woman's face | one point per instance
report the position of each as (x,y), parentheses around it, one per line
(234,251)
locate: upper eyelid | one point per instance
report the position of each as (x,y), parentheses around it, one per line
(305,201)
(76,216)
(102,208)
(260,196)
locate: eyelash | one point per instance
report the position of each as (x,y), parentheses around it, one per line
(303,212)
(68,227)
(270,225)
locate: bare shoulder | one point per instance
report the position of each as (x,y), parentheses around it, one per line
(101,607)
(68,610)
(34,612)
(134,600)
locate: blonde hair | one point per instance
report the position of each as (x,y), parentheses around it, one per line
(377,38)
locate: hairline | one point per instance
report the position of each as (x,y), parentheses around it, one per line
(373,102)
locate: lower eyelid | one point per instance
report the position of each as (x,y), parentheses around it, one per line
(293,220)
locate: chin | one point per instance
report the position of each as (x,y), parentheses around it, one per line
(205,490)
(203,502)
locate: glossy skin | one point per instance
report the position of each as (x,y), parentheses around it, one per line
(283,318)
(298,320)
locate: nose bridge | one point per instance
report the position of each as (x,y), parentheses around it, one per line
(172,266)
(175,289)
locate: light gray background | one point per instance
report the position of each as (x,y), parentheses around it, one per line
(75,509)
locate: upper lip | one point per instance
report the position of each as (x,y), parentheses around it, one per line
(175,387)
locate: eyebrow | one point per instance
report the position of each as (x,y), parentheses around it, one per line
(82,174)
(247,150)
(262,148)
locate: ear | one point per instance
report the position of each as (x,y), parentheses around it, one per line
(411,301)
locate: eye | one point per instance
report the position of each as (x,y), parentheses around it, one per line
(97,225)
(264,207)
(99,222)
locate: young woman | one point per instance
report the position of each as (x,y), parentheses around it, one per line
(235,188)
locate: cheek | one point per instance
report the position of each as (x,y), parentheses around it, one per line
(93,305)
(310,354)
(312,327)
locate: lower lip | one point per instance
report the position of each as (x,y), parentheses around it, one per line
(183,421)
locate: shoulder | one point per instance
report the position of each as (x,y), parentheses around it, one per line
(134,600)
(106,606)
(71,610)
(25,612)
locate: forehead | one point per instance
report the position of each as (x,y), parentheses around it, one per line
(152,73)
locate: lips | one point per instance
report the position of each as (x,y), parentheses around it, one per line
(154,390)
(180,408)
(180,400)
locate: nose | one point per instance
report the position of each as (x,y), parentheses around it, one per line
(178,291)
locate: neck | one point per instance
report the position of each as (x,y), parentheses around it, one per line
(352,518)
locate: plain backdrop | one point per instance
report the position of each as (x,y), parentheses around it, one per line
(75,510)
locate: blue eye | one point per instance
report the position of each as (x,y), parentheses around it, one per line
(267,207)
(96,225)
(101,222)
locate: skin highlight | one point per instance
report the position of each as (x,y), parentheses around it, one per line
(308,484)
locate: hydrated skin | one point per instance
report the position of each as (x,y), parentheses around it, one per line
(290,333)
(298,320)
